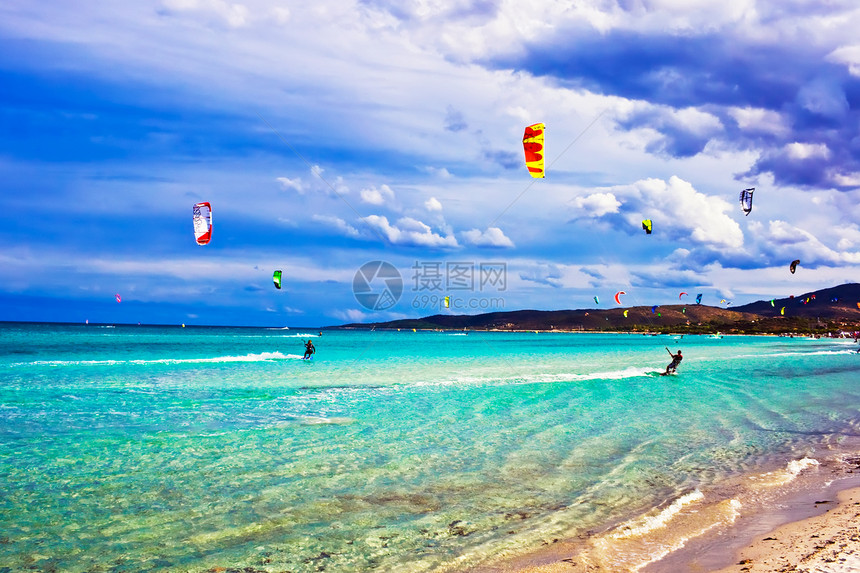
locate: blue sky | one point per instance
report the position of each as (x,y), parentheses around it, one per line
(330,134)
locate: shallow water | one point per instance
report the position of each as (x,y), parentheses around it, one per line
(147,448)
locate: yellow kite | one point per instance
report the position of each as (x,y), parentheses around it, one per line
(533,147)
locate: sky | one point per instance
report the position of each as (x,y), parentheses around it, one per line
(372,151)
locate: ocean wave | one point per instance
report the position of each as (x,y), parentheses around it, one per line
(261,357)
(301,335)
(641,541)
(786,475)
(649,523)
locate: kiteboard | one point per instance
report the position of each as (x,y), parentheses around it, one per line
(672,373)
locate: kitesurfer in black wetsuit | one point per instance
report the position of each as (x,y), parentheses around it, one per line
(676,359)
(309,349)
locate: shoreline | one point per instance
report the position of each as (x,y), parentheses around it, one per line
(730,528)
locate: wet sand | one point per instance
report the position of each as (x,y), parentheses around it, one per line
(828,542)
(809,524)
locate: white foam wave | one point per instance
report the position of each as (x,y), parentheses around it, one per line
(787,475)
(644,525)
(301,335)
(733,508)
(491,378)
(631,372)
(261,357)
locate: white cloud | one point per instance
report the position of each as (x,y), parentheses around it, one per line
(294,184)
(433,204)
(409,231)
(759,120)
(492,237)
(338,224)
(676,208)
(597,204)
(807,150)
(848,55)
(440,172)
(234,15)
(783,242)
(377,196)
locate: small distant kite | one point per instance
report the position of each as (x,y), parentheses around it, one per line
(118,298)
(618,295)
(654,309)
(782,310)
(202,217)
(746,200)
(647,226)
(533,140)
(276,278)
(699,298)
(772,301)
(626,311)
(793,266)
(596,300)
(447,302)
(682,294)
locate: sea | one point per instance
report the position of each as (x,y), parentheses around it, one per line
(144,448)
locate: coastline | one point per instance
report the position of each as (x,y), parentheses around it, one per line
(828,542)
(805,518)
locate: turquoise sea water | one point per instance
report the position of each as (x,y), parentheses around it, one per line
(141,448)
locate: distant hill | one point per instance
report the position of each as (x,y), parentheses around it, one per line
(836,303)
(824,310)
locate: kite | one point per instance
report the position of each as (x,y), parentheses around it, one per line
(533,148)
(202,216)
(276,277)
(596,301)
(447,301)
(793,265)
(772,301)
(653,309)
(782,310)
(647,226)
(684,310)
(746,200)
(858,305)
(680,295)
(699,298)
(617,295)
(118,298)
(626,311)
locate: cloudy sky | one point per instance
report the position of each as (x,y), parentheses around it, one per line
(334,133)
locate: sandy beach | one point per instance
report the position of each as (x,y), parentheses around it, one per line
(808,524)
(828,542)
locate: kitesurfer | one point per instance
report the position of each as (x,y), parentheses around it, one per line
(309,350)
(676,359)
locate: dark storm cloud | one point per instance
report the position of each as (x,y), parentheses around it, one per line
(817,99)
